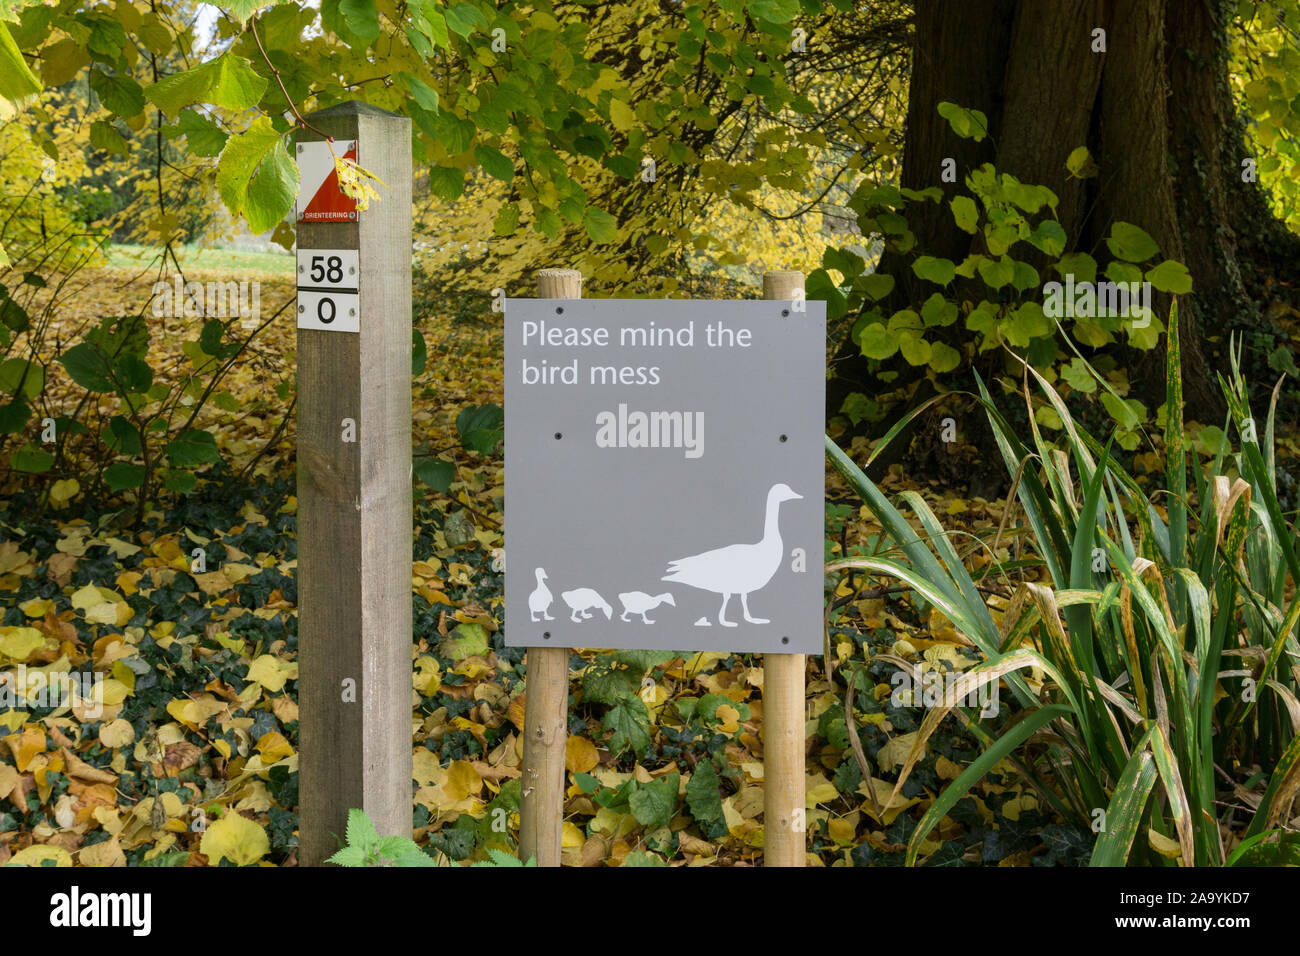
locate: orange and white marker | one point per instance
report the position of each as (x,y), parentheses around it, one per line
(319,197)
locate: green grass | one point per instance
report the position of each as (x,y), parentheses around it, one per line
(191,257)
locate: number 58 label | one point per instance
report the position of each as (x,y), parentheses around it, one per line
(328,296)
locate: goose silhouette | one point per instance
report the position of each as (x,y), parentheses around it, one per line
(738,568)
(582,601)
(539,601)
(638,602)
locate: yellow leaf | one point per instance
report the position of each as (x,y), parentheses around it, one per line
(425,769)
(571,836)
(427,676)
(843,830)
(237,839)
(20,642)
(273,746)
(621,115)
(819,790)
(267,671)
(36,607)
(1165,846)
(728,718)
(36,854)
(107,853)
(116,734)
(580,755)
(462,780)
(63,491)
(893,753)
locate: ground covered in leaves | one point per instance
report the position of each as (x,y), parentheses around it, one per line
(190,621)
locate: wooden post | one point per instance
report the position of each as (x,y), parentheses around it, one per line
(784,837)
(546,700)
(354,508)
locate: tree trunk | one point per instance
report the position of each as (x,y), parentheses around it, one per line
(1157,114)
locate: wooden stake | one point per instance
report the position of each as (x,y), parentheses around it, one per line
(784,837)
(546,701)
(354,510)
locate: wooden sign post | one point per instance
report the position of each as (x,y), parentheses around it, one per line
(354,487)
(546,701)
(784,838)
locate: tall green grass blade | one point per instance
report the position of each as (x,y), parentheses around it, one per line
(980,766)
(1124,814)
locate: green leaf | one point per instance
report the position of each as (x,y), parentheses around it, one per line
(629,723)
(361,17)
(943,357)
(272,191)
(31,459)
(202,136)
(348,856)
(122,475)
(655,803)
(119,94)
(1124,814)
(133,373)
(1049,237)
(243,154)
(773,11)
(192,448)
(89,367)
(361,832)
(600,225)
(447,183)
(875,286)
(14,416)
(877,342)
(1078,264)
(703,794)
(1080,163)
(423,94)
(481,427)
(1170,276)
(965,214)
(968,124)
(105,137)
(229,81)
(938,271)
(436,473)
(464,17)
(123,436)
(21,373)
(1128,242)
(495,163)
(938,311)
(243,10)
(17,82)
(419,353)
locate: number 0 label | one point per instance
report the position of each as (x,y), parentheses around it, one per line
(328,284)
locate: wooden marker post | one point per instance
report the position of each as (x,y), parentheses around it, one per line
(546,701)
(354,484)
(784,836)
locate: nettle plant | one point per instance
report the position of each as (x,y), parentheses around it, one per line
(1005,300)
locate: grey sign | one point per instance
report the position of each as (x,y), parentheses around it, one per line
(665,474)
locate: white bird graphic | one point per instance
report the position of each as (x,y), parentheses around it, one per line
(539,601)
(638,602)
(582,600)
(738,568)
